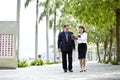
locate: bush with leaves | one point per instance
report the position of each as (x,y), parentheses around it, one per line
(52,63)
(38,62)
(105,61)
(22,63)
(114,62)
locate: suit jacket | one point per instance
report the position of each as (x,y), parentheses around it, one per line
(65,45)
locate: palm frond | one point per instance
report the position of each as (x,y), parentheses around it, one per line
(46,9)
(42,4)
(27,3)
(59,3)
(51,11)
(47,4)
(42,15)
(51,22)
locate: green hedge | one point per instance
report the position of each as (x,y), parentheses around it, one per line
(52,62)
(114,62)
(22,63)
(38,62)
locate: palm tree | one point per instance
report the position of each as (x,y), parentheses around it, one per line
(36,26)
(18,19)
(54,31)
(43,14)
(57,6)
(49,10)
(46,13)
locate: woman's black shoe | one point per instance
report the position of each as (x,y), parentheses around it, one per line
(84,70)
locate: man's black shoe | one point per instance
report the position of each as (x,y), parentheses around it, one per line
(65,70)
(71,70)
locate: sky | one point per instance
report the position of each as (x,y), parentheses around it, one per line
(27,27)
(8,12)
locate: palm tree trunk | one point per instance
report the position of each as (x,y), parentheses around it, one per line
(47,37)
(54,30)
(118,33)
(36,31)
(18,21)
(98,51)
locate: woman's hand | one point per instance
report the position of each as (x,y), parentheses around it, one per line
(59,50)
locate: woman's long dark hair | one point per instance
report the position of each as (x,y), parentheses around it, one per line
(82,28)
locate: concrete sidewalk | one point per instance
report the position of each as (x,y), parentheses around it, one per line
(95,71)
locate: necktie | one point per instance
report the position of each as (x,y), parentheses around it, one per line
(67,37)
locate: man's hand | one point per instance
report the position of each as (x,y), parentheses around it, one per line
(73,49)
(76,37)
(59,49)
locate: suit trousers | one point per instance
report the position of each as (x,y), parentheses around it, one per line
(65,59)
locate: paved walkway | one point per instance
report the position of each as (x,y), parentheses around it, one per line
(95,71)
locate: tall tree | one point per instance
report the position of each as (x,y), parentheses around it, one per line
(111,42)
(117,11)
(105,48)
(46,12)
(54,30)
(18,20)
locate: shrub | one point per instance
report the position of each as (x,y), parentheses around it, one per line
(38,62)
(33,63)
(114,62)
(106,61)
(22,63)
(101,61)
(49,63)
(52,62)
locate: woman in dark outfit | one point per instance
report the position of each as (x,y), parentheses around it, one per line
(82,47)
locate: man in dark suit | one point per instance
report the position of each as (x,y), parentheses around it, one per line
(66,45)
